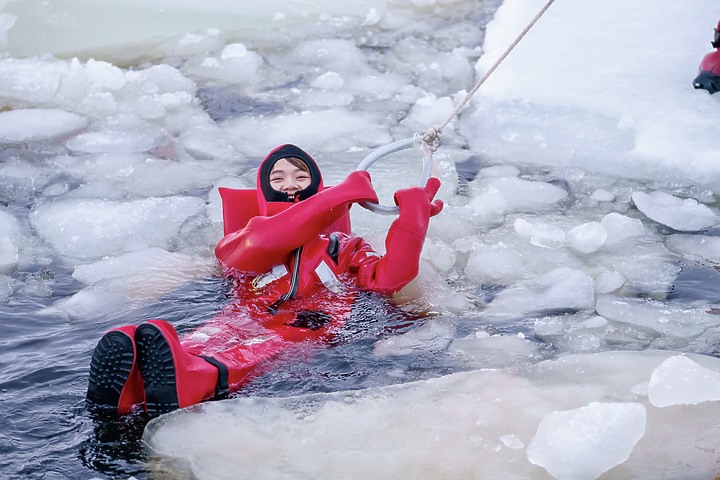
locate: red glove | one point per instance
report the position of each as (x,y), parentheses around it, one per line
(404,241)
(419,199)
(356,188)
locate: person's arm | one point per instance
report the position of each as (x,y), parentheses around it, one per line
(267,241)
(403,244)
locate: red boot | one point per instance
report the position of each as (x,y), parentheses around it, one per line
(173,378)
(115,381)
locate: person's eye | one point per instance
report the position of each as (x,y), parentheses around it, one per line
(303,177)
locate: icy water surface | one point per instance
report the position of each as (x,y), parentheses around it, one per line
(549,245)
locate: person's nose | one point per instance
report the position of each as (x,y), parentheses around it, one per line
(289,185)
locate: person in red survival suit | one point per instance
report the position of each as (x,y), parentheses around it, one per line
(708,77)
(296,270)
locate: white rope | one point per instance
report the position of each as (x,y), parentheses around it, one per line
(431,138)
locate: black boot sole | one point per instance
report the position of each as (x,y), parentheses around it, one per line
(157,368)
(110,369)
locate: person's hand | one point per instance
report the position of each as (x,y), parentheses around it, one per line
(419,197)
(357,187)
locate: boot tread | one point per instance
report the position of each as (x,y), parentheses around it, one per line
(110,368)
(157,368)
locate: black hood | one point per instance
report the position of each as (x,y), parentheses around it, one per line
(284,151)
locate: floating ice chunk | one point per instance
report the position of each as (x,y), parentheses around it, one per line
(97,301)
(680,214)
(148,274)
(441,255)
(29,80)
(236,64)
(547,326)
(126,133)
(581,341)
(619,228)
(602,195)
(309,128)
(584,443)
(191,44)
(98,104)
(499,171)
(129,280)
(104,75)
(682,381)
(491,197)
(698,246)
(506,194)
(493,263)
(431,289)
(336,55)
(203,139)
(121,175)
(160,79)
(565,333)
(234,50)
(133,140)
(34,124)
(93,229)
(373,17)
(428,110)
(383,86)
(587,238)
(455,426)
(541,234)
(9,238)
(8,255)
(595,322)
(497,351)
(562,289)
(6,288)
(648,271)
(608,280)
(433,335)
(322,98)
(512,441)
(574,175)
(667,318)
(329,81)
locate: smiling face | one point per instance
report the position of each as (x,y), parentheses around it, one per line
(290,175)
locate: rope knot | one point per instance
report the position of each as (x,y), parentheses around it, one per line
(431,140)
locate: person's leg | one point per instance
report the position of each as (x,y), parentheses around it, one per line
(216,359)
(172,377)
(114,382)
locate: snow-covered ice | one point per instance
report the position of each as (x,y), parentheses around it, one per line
(681,381)
(584,443)
(580,416)
(685,215)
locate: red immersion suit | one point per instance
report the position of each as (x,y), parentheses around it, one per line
(296,270)
(708,77)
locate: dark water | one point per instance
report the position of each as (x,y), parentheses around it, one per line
(47,433)
(46,430)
